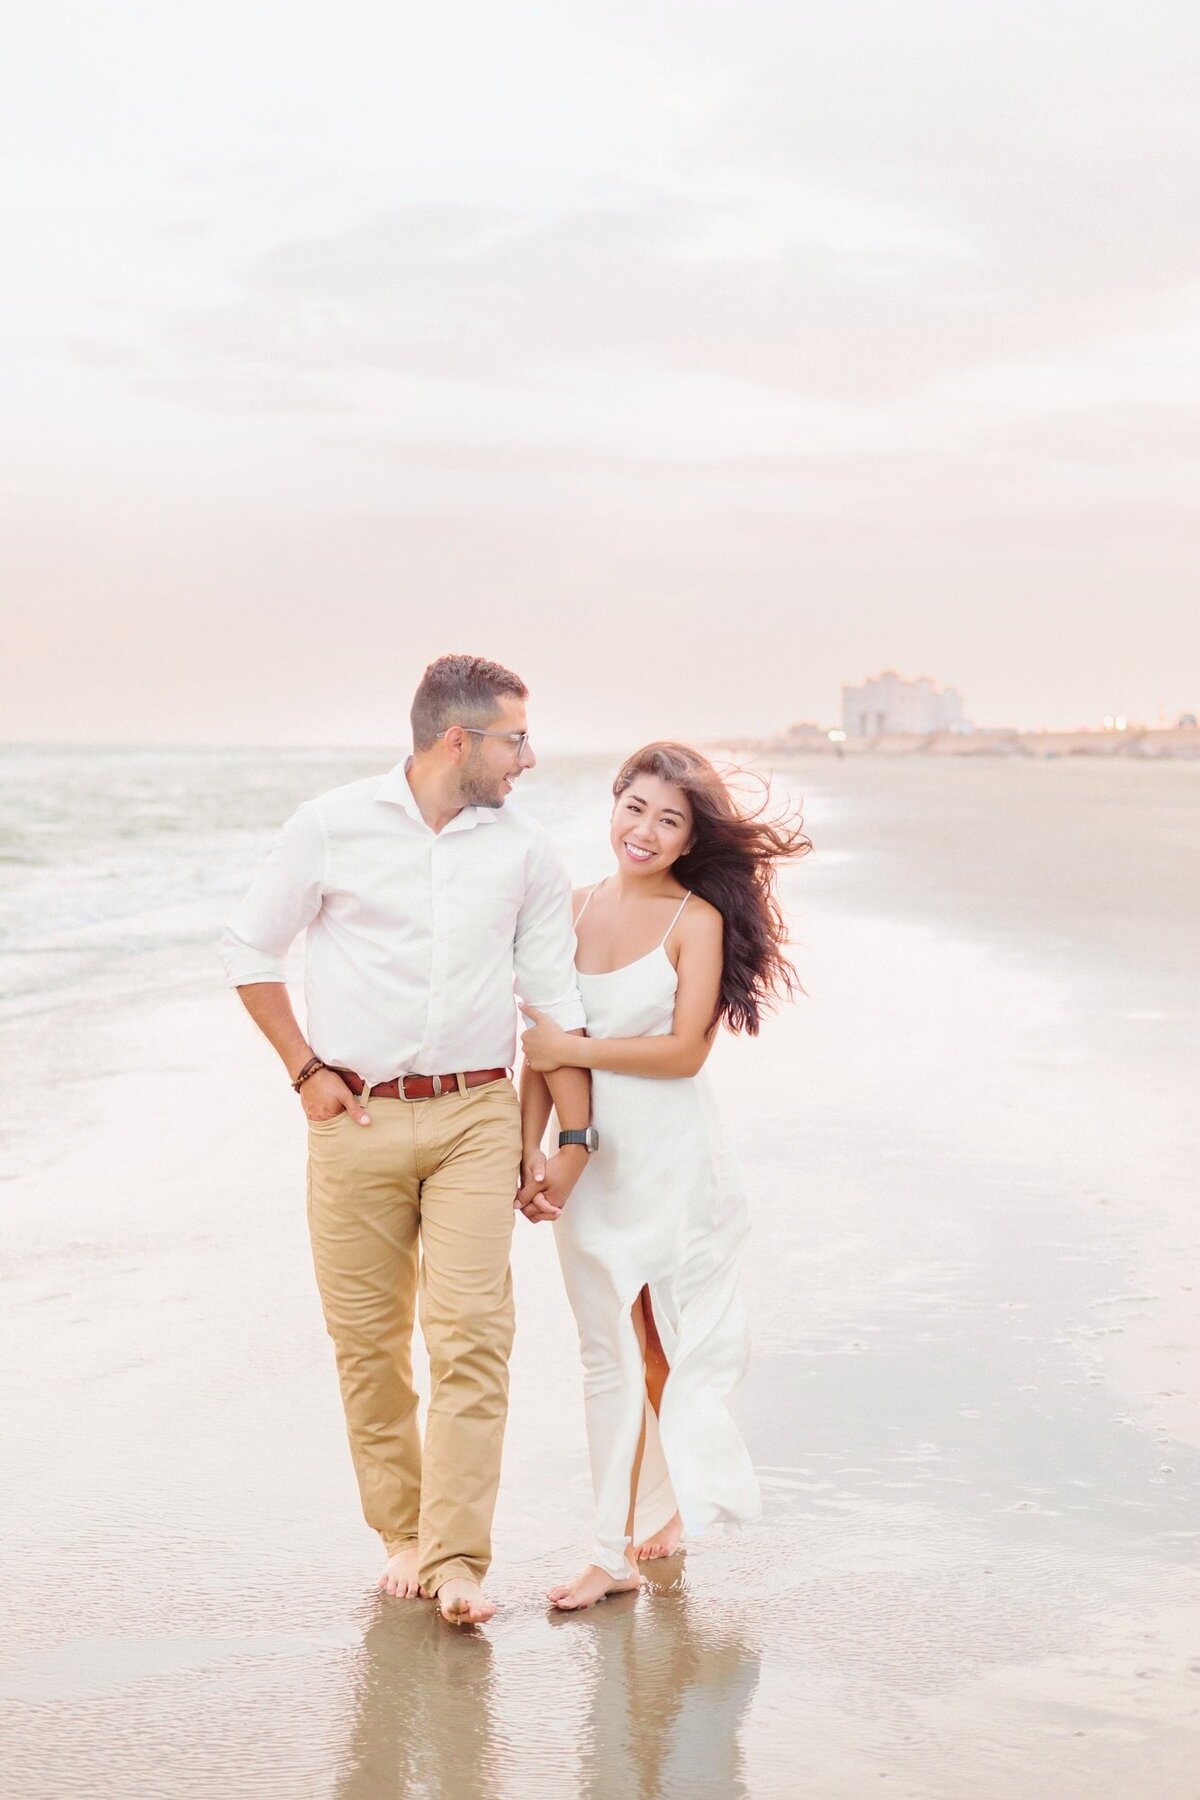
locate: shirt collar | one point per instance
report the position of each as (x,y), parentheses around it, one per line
(394,789)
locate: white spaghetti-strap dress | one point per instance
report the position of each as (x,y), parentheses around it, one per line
(660,1205)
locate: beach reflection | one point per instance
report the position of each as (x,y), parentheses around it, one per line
(666,1696)
(425,1720)
(669,1697)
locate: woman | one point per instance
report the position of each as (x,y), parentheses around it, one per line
(684,935)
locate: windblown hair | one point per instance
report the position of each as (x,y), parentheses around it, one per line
(732,864)
(459,690)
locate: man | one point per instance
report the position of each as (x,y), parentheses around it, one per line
(424,903)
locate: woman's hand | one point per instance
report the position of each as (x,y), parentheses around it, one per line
(546,1045)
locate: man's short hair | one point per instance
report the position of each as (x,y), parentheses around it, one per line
(459,690)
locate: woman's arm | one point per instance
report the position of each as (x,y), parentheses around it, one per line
(681,1052)
(666,1058)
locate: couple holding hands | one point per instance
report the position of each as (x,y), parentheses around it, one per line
(426,903)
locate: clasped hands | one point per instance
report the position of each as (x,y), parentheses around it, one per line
(546,1181)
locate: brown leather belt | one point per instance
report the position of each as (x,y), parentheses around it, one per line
(418,1087)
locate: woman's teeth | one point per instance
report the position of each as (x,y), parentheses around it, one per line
(638,855)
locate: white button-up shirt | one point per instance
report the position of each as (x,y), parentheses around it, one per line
(416,940)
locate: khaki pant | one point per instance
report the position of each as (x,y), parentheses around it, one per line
(439,1174)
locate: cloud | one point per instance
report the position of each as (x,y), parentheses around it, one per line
(1060,141)
(849,204)
(443,293)
(1142,438)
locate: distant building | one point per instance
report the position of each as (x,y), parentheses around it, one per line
(887,703)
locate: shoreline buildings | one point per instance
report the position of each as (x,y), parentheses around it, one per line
(886,704)
(887,715)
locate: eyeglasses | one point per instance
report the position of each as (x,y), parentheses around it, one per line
(518,739)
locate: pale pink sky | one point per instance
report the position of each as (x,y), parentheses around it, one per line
(691,358)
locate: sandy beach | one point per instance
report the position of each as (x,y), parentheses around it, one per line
(973,1404)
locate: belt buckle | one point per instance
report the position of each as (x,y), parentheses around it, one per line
(436,1084)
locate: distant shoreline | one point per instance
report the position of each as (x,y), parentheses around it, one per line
(1177,744)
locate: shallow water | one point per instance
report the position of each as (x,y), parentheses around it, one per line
(973,1402)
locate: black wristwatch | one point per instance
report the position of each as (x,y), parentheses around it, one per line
(590,1139)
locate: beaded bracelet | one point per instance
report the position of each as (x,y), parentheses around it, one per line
(310,1068)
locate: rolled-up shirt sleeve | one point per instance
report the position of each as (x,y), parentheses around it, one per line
(284,897)
(544,946)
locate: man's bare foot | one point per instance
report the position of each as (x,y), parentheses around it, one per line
(400,1574)
(463,1602)
(663,1543)
(594,1584)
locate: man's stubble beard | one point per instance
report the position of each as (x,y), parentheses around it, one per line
(476,786)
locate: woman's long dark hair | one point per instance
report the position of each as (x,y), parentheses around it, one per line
(731,864)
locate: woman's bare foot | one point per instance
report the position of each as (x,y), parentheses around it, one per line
(594,1584)
(463,1602)
(663,1543)
(400,1574)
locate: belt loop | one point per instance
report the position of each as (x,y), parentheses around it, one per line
(366,1093)
(462,1082)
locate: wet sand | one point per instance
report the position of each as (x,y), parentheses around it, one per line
(973,1401)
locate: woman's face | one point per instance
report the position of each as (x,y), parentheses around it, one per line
(651,826)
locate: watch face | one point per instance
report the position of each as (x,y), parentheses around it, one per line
(591,1138)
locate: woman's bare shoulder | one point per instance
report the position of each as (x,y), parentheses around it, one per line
(701,920)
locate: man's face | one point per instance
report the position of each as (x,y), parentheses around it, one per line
(493,763)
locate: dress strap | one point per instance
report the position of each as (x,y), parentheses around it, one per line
(675,920)
(587,903)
